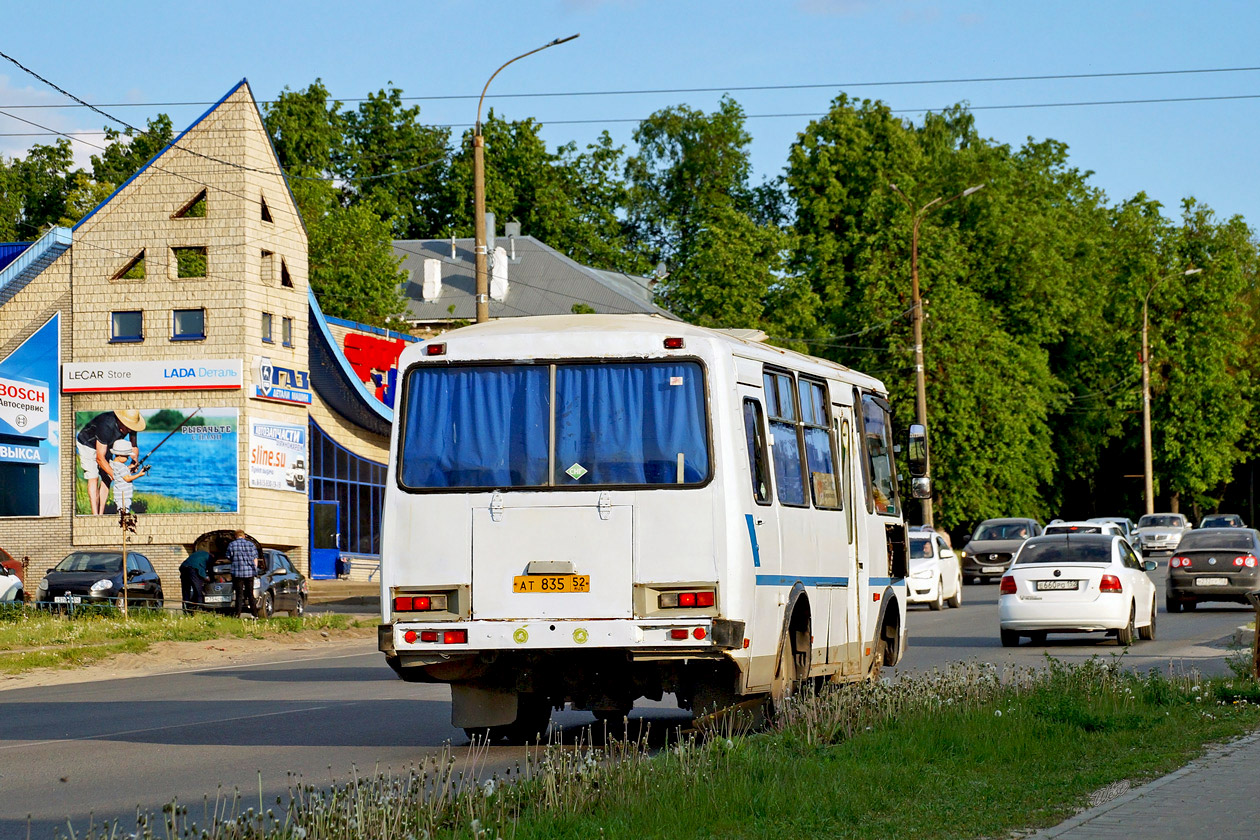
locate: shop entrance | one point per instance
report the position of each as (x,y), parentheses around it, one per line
(325,539)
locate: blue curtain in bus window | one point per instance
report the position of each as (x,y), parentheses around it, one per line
(787,463)
(476,427)
(630,424)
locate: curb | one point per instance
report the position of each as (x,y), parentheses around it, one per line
(1150,787)
(1243,637)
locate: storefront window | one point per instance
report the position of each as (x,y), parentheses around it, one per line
(356,484)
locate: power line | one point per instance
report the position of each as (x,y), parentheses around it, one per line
(721,89)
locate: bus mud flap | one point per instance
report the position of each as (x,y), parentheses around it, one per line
(474,706)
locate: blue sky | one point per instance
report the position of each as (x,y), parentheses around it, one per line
(147,52)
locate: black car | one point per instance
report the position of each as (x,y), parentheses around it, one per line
(1216,564)
(989,551)
(1222,520)
(278,586)
(96,577)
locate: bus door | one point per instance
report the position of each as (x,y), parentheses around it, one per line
(858,592)
(761,522)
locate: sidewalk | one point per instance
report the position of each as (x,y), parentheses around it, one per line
(1217,797)
(360,596)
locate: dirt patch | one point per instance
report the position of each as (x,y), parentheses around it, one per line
(174,657)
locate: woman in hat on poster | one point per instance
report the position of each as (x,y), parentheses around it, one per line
(93,443)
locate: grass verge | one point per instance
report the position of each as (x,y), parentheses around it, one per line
(962,753)
(31,639)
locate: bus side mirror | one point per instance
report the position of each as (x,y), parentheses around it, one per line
(918,452)
(921,487)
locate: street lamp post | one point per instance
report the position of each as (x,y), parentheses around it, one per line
(920,385)
(479,191)
(1148,469)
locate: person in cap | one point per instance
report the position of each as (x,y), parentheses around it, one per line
(124,472)
(93,442)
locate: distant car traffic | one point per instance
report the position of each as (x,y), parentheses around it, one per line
(1160,532)
(1126,526)
(1222,520)
(935,576)
(1216,564)
(1077,584)
(96,578)
(1090,527)
(989,551)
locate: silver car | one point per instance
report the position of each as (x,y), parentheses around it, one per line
(1160,532)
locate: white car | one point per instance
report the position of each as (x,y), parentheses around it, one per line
(935,576)
(10,586)
(1093,526)
(1077,583)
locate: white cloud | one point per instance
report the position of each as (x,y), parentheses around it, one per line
(74,121)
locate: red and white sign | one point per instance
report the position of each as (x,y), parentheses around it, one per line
(175,375)
(23,408)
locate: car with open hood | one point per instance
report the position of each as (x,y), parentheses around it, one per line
(1160,532)
(989,551)
(93,577)
(278,586)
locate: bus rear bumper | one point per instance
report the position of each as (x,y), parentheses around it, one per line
(646,634)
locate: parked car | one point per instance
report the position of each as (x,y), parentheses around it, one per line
(989,551)
(1161,532)
(1222,520)
(935,576)
(278,586)
(1126,526)
(1087,527)
(1214,564)
(10,586)
(1077,583)
(96,577)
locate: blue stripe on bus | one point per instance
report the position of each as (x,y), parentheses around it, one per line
(752,535)
(790,580)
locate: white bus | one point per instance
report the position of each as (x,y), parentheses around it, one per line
(590,509)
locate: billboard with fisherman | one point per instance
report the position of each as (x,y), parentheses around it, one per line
(174,460)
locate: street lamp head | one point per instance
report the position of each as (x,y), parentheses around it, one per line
(564,40)
(1190,271)
(974,189)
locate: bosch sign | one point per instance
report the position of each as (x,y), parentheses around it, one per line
(23,408)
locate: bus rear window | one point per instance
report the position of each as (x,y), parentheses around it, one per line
(616,424)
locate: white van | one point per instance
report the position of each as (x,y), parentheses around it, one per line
(590,509)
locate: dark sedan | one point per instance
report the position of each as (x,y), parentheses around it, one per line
(1222,520)
(96,577)
(989,551)
(1217,564)
(278,587)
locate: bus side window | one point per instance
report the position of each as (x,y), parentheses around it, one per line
(754,433)
(878,445)
(846,473)
(781,405)
(818,450)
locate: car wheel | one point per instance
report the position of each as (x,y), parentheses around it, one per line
(1124,636)
(1172,604)
(1009,638)
(939,603)
(299,609)
(1147,633)
(956,600)
(267,607)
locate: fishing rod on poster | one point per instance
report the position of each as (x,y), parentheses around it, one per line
(173,432)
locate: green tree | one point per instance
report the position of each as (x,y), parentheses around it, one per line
(126,151)
(356,275)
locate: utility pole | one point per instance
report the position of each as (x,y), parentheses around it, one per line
(1148,468)
(920,384)
(479,192)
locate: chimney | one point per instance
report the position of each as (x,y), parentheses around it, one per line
(513,230)
(431,290)
(453,256)
(499,275)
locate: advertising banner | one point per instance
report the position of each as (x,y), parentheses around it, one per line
(180,460)
(277,455)
(30,425)
(281,384)
(179,375)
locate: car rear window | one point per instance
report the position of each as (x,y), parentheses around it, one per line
(1065,551)
(1073,529)
(1209,540)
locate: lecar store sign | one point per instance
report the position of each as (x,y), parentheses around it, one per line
(174,375)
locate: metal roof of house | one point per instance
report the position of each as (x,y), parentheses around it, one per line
(541,281)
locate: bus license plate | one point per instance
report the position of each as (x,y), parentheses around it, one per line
(1043,585)
(551,583)
(1206,581)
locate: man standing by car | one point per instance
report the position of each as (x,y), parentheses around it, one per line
(193,574)
(243,555)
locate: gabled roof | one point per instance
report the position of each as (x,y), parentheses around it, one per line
(541,281)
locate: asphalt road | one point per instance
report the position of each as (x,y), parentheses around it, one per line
(100,749)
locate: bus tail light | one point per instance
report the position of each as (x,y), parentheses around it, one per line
(438,349)
(1007,586)
(674,343)
(686,600)
(420,603)
(678,634)
(1110,583)
(454,637)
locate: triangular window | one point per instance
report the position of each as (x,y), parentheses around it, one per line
(285,279)
(266,211)
(194,209)
(133,270)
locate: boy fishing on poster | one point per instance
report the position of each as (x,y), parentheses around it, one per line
(124,473)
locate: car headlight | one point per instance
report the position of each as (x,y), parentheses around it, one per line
(965,553)
(43,586)
(922,574)
(102,585)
